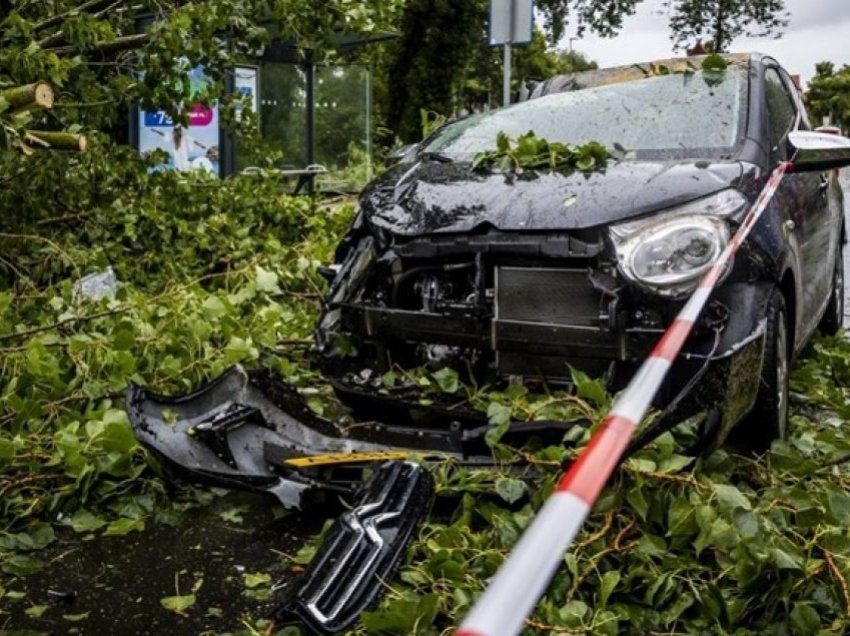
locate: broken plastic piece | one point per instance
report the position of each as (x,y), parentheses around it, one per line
(363,549)
(249,431)
(97,286)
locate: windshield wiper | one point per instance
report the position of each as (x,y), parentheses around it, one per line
(430,155)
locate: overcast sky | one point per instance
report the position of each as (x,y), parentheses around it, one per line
(819,30)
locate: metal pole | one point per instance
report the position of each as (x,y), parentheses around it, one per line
(310,96)
(368,123)
(506,94)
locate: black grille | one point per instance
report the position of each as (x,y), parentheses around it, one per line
(543,295)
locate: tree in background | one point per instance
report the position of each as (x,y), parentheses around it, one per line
(533,62)
(443,64)
(603,17)
(427,65)
(829,95)
(721,21)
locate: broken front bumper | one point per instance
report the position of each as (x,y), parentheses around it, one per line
(250,431)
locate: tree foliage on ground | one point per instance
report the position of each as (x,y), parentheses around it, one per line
(217,272)
(829,95)
(719,22)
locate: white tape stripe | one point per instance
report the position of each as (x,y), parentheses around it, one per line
(693,308)
(635,399)
(524,576)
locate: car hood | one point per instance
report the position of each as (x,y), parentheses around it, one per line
(430,197)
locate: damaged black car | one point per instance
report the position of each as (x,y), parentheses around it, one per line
(531,273)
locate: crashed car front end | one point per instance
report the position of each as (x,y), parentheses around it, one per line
(501,304)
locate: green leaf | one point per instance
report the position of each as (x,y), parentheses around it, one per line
(267,281)
(503,142)
(253,580)
(785,561)
(714,62)
(123,526)
(509,489)
(401,615)
(35,611)
(681,519)
(675,464)
(214,307)
(20,565)
(234,514)
(178,604)
(805,620)
(730,498)
(607,585)
(499,417)
(447,379)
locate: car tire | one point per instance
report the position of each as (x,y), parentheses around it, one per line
(768,419)
(833,319)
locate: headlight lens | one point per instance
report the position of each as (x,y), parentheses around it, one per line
(669,252)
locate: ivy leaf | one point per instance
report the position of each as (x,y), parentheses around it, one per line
(178,604)
(499,417)
(401,615)
(447,379)
(123,526)
(35,611)
(607,585)
(253,580)
(730,498)
(805,619)
(714,62)
(511,490)
(267,281)
(84,521)
(503,142)
(21,565)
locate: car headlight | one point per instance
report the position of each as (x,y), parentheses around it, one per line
(667,253)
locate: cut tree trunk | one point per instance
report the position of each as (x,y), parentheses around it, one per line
(56,140)
(38,95)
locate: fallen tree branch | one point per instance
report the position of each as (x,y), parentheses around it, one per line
(62,323)
(124,43)
(57,140)
(35,96)
(57,38)
(90,5)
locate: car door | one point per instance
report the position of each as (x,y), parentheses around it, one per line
(809,209)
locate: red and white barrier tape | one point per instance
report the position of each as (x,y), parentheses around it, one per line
(525,575)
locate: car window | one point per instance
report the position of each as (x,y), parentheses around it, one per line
(804,123)
(669,116)
(781,112)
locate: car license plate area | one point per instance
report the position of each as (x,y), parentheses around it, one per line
(547,318)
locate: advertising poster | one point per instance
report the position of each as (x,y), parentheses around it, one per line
(195,147)
(245,83)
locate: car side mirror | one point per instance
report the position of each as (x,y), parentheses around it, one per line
(818,151)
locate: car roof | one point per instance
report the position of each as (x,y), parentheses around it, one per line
(633,72)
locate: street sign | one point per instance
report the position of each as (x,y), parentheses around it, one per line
(511,21)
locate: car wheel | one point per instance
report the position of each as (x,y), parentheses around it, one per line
(833,319)
(769,418)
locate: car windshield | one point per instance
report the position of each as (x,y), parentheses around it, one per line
(693,115)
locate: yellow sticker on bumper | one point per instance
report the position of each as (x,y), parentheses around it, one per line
(350,458)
